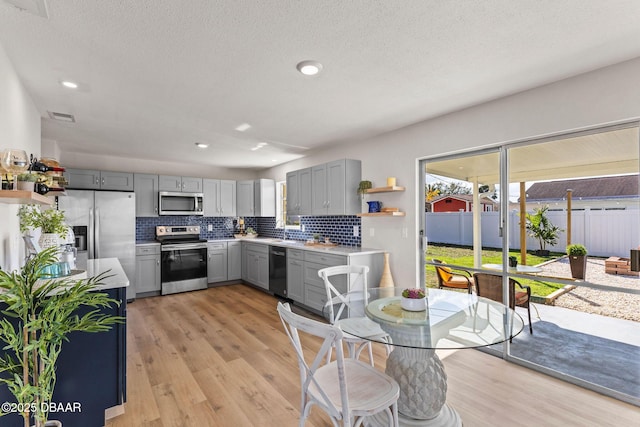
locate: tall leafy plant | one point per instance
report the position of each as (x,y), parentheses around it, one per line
(540,227)
(38,315)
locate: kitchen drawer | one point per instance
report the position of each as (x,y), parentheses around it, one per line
(216,245)
(311,277)
(257,247)
(148,249)
(315,298)
(326,259)
(295,254)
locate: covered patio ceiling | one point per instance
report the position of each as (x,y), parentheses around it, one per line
(613,152)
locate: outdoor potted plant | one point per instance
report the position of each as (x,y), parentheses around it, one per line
(49,221)
(540,227)
(413,300)
(39,314)
(577,260)
(27,181)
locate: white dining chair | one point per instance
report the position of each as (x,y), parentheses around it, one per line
(347,389)
(341,307)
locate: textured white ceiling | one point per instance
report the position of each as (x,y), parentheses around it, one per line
(156,76)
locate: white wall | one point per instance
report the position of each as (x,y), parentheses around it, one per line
(19,128)
(601,97)
(122,164)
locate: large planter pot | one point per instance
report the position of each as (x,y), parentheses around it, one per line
(52,423)
(578,265)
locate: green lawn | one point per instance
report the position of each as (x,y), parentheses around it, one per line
(464,256)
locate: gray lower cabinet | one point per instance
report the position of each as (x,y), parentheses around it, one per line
(86,179)
(216,262)
(295,275)
(315,295)
(257,268)
(234,260)
(146,189)
(147,269)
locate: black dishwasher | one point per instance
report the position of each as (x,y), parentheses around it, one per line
(278,271)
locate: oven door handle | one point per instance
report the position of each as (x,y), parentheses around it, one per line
(182,246)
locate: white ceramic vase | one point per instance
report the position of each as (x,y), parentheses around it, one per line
(47,240)
(413,304)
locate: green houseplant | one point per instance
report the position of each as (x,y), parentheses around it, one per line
(49,221)
(363,186)
(39,314)
(540,227)
(26,181)
(577,254)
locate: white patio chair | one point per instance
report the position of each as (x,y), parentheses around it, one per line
(348,390)
(354,303)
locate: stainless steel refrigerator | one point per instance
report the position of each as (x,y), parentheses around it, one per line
(104,225)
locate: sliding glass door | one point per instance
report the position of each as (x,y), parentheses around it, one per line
(513,211)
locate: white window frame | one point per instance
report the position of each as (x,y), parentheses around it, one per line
(281,218)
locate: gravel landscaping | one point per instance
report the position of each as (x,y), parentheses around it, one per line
(604,302)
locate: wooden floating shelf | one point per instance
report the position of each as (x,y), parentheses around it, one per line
(385,189)
(396,213)
(24,198)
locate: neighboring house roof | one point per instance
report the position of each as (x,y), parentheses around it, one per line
(591,188)
(464,198)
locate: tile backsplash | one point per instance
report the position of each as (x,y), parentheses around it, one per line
(339,229)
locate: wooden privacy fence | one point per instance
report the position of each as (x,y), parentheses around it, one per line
(605,233)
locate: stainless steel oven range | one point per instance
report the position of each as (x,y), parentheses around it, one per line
(183,258)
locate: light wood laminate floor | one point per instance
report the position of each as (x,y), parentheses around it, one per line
(219,357)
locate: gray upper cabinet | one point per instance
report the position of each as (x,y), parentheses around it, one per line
(87,179)
(299,192)
(244,198)
(334,188)
(264,197)
(146,189)
(180,183)
(256,197)
(219,197)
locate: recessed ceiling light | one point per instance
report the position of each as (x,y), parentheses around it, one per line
(243,127)
(70,85)
(274,160)
(262,144)
(309,68)
(201,145)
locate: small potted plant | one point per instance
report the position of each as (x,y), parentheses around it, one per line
(577,260)
(363,187)
(49,221)
(27,181)
(413,300)
(251,232)
(316,238)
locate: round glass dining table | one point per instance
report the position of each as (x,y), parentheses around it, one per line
(451,320)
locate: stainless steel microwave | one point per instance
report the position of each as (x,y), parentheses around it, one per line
(175,203)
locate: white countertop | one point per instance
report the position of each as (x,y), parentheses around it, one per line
(117,279)
(299,244)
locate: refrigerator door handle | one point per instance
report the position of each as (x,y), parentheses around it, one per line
(90,243)
(97,234)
